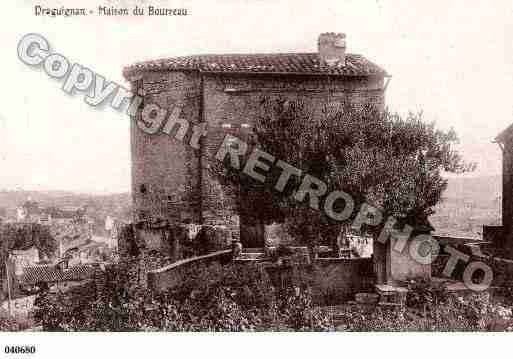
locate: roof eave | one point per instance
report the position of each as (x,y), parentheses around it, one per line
(134,75)
(291,73)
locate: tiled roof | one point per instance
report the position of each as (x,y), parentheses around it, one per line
(289,63)
(50,274)
(64,212)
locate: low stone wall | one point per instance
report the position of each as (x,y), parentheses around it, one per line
(502,268)
(332,280)
(462,244)
(346,276)
(496,235)
(169,276)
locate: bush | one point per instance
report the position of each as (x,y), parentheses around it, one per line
(239,297)
(10,324)
(213,298)
(429,307)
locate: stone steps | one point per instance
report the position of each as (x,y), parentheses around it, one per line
(251,256)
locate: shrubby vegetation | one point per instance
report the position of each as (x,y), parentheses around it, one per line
(214,298)
(244,298)
(10,324)
(431,308)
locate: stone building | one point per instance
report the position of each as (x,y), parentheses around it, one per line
(170,179)
(500,236)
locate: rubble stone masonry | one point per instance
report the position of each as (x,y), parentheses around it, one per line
(170,180)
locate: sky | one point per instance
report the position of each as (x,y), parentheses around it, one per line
(452,60)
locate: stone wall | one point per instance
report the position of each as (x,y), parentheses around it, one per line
(165,171)
(393,265)
(507,194)
(403,266)
(172,241)
(502,268)
(232,106)
(495,237)
(169,276)
(340,279)
(332,280)
(170,180)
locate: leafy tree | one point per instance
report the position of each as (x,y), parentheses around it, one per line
(15,236)
(21,236)
(392,162)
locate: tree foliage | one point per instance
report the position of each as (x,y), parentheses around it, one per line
(22,236)
(392,162)
(16,236)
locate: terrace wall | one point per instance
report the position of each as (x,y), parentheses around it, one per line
(333,280)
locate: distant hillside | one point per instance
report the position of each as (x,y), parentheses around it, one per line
(475,188)
(98,207)
(12,199)
(467,204)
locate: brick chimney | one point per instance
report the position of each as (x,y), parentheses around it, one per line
(332,48)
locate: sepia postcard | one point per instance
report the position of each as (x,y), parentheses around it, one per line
(315,168)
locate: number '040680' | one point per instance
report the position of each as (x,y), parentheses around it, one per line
(19,349)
